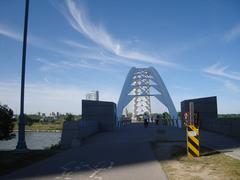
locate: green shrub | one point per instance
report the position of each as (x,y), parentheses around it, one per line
(6,123)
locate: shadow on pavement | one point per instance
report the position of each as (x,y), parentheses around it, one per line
(125,151)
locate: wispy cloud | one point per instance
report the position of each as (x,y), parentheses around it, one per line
(88,53)
(84,65)
(75,44)
(46,64)
(15,34)
(222,71)
(228,84)
(231,86)
(97,33)
(61,64)
(8,32)
(232,34)
(109,50)
(222,74)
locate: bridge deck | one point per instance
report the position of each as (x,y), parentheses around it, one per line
(122,154)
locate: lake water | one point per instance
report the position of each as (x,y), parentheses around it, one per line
(34,140)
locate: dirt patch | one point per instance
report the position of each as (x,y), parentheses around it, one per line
(211,165)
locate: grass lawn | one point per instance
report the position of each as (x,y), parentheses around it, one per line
(11,161)
(211,165)
(42,126)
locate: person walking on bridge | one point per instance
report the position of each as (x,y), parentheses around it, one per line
(145,118)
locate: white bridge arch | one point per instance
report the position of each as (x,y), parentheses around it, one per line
(139,79)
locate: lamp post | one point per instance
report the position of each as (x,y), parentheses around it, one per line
(21,145)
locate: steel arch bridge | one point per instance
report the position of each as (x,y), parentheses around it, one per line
(137,86)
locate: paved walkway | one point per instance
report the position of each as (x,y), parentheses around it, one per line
(122,154)
(227,145)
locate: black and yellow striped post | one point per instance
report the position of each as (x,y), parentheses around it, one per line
(192,130)
(193,146)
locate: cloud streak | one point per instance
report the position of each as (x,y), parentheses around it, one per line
(221,71)
(6,31)
(228,84)
(50,65)
(232,34)
(109,50)
(96,33)
(88,53)
(75,44)
(231,86)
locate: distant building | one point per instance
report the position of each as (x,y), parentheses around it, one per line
(93,96)
(47,119)
(52,114)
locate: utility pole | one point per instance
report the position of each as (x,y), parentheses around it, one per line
(21,145)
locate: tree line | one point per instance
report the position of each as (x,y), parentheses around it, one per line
(8,121)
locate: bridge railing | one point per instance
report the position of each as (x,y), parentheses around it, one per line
(124,121)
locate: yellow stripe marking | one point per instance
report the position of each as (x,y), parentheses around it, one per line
(194,139)
(194,129)
(193,149)
(190,155)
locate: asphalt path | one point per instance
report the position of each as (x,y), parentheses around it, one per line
(122,154)
(228,145)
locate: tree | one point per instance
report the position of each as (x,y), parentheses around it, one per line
(28,120)
(6,123)
(69,117)
(129,114)
(180,114)
(166,118)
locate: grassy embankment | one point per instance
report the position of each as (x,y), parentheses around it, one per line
(11,160)
(211,165)
(43,126)
(33,123)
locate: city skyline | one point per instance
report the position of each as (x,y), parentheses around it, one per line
(77,46)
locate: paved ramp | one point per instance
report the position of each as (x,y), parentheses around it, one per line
(122,154)
(225,144)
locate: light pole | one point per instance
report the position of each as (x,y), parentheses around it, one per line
(21,145)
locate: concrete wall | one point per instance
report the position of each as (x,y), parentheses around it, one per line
(102,112)
(206,107)
(226,126)
(96,116)
(75,131)
(208,117)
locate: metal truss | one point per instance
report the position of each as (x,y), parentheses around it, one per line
(137,88)
(141,85)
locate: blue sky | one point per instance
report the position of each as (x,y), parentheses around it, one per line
(78,46)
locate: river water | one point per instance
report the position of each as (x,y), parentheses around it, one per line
(34,140)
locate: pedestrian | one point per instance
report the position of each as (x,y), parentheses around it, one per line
(157,119)
(145,117)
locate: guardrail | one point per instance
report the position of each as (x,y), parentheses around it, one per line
(125,122)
